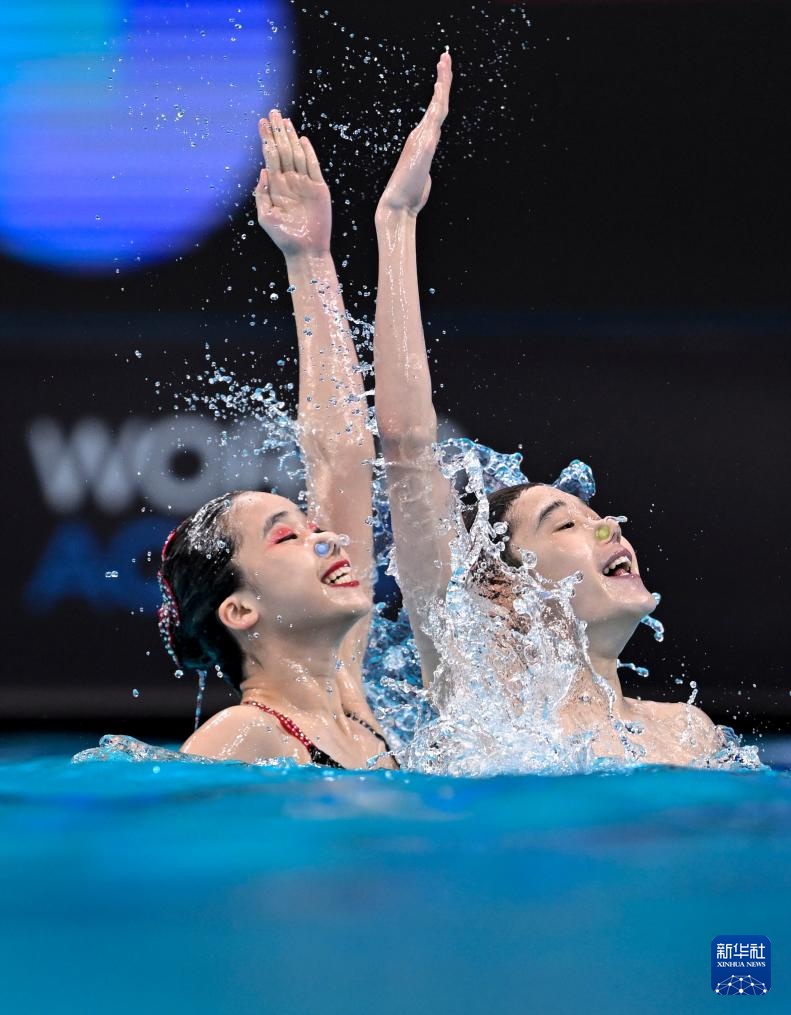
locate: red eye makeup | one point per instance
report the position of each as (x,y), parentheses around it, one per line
(281,534)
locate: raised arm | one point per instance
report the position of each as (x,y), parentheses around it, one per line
(407,422)
(294,209)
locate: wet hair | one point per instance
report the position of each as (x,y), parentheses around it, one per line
(501,505)
(198,572)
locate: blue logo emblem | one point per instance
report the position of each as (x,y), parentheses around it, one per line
(741,964)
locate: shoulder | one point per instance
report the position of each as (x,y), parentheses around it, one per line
(688,722)
(241,733)
(693,725)
(703,726)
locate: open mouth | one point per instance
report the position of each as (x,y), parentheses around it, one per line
(339,575)
(619,566)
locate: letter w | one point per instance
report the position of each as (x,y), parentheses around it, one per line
(91,460)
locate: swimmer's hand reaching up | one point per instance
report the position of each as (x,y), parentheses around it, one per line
(292,199)
(408,188)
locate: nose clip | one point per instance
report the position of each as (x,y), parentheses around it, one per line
(322,548)
(603,532)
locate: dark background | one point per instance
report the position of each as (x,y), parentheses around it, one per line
(606,239)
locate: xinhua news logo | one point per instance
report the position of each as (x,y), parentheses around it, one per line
(741,964)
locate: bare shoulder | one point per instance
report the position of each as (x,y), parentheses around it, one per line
(703,724)
(241,733)
(692,723)
(689,723)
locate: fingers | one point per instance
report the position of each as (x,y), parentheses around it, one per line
(438,107)
(270,150)
(281,141)
(425,136)
(297,152)
(262,196)
(314,169)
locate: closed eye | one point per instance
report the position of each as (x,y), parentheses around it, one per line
(566,525)
(288,535)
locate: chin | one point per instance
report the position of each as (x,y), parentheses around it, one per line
(631,601)
(354,603)
(636,602)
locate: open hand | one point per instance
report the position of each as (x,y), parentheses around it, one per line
(292,199)
(409,186)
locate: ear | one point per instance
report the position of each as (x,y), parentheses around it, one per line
(239,612)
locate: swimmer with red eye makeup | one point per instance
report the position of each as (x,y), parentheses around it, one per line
(562,532)
(275,600)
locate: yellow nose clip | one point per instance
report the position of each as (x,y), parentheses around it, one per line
(603,532)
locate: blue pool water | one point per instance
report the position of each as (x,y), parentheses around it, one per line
(147,888)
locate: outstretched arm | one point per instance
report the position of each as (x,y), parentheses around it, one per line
(407,422)
(294,208)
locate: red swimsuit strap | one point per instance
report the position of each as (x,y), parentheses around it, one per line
(288,725)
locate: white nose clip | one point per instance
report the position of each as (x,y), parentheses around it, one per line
(322,549)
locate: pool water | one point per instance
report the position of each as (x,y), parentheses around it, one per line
(172,887)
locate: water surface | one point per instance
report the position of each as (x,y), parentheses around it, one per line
(145,887)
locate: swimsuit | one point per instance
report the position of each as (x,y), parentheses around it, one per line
(317,756)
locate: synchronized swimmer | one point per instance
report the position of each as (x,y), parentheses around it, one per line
(280,605)
(561,530)
(274,599)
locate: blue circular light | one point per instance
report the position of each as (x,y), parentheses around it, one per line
(128,127)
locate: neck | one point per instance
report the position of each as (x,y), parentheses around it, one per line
(598,685)
(295,676)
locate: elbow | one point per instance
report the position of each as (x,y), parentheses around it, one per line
(406,442)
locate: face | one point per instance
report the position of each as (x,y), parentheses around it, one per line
(567,536)
(300,575)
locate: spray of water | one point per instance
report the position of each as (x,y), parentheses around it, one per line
(510,647)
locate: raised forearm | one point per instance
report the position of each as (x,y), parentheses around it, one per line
(407,426)
(332,402)
(404,407)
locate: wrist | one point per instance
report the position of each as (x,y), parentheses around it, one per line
(307,258)
(389,218)
(309,264)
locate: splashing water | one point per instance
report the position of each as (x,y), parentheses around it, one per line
(473,721)
(523,626)
(470,721)
(199,699)
(641,671)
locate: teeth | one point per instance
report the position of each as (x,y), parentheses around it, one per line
(616,563)
(336,576)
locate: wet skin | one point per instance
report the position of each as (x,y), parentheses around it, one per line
(276,553)
(291,621)
(567,536)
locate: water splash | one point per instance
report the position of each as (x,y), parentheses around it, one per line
(199,699)
(470,721)
(512,652)
(522,626)
(117,748)
(656,626)
(641,671)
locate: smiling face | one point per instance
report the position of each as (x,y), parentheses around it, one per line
(567,537)
(300,576)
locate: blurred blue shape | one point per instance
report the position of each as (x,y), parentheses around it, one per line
(129,128)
